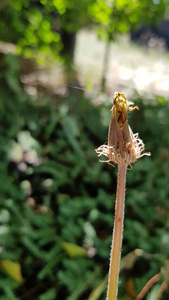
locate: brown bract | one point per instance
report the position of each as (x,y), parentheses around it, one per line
(123,147)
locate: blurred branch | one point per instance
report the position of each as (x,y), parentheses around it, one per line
(162,288)
(7,47)
(148,286)
(164,272)
(165,283)
(129,260)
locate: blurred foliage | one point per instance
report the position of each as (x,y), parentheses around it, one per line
(57,200)
(36,26)
(121,16)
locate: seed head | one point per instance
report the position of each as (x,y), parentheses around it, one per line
(123,147)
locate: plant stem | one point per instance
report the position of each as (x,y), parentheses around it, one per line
(148,286)
(117,234)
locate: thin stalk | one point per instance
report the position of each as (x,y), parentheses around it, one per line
(117,234)
(148,286)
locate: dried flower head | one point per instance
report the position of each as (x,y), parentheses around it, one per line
(123,147)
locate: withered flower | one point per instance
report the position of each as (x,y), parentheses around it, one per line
(123,147)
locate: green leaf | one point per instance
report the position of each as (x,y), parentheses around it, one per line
(73,250)
(13,269)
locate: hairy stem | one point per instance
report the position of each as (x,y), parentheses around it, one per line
(117,234)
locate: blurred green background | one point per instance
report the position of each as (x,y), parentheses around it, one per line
(60,63)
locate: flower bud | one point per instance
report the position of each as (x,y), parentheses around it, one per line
(123,147)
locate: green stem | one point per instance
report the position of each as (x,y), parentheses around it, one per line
(117,234)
